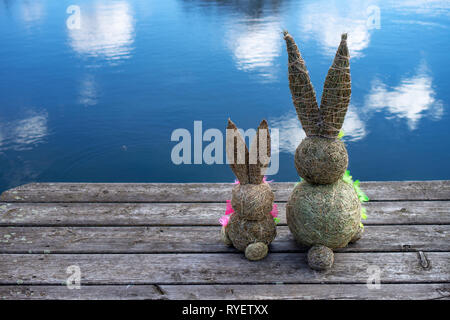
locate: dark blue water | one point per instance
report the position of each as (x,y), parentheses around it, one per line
(99,103)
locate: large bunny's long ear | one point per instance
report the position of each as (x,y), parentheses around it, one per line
(260,150)
(302,90)
(336,92)
(237,153)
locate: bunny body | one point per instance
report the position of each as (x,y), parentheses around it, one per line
(252,221)
(252,201)
(251,227)
(331,219)
(243,232)
(323,211)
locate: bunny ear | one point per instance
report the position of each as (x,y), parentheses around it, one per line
(259,154)
(336,92)
(237,153)
(302,90)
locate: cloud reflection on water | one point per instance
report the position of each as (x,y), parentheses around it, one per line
(430,8)
(88,94)
(291,133)
(107,31)
(256,43)
(23,134)
(32,11)
(413,99)
(325,21)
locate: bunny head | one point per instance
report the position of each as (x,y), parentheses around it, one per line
(252,198)
(321,158)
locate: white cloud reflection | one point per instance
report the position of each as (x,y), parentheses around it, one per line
(413,99)
(88,91)
(291,133)
(23,134)
(354,128)
(32,11)
(256,43)
(325,21)
(107,31)
(423,7)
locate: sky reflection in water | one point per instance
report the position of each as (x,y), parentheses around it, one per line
(99,103)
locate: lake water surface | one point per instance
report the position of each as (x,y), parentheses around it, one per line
(98,101)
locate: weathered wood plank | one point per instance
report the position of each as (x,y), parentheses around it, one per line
(122,214)
(309,291)
(220,268)
(422,291)
(60,292)
(203,192)
(202,239)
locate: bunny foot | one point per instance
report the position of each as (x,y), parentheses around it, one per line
(256,251)
(357,235)
(225,238)
(320,257)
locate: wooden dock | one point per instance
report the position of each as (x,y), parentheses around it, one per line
(161,241)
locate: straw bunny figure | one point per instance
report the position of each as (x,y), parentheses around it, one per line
(251,228)
(323,211)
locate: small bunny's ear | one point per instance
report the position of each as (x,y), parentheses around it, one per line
(336,92)
(302,90)
(260,151)
(237,153)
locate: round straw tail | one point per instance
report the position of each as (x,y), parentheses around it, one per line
(302,90)
(336,92)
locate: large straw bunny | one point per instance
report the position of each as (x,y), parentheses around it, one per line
(323,211)
(251,228)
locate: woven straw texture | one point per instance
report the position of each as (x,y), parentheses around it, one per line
(324,214)
(252,199)
(328,120)
(321,161)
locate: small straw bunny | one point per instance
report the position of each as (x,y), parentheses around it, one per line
(251,227)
